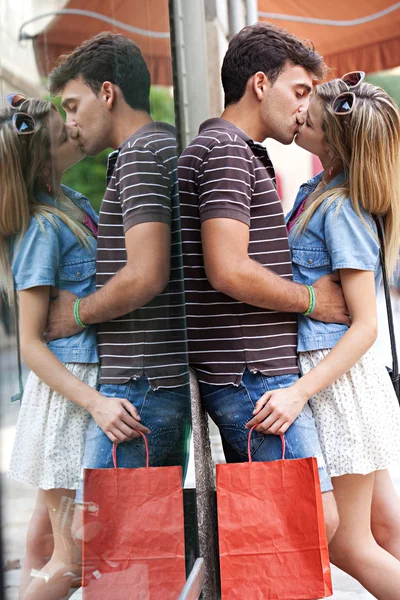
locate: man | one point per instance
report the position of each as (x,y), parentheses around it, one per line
(139,303)
(241,302)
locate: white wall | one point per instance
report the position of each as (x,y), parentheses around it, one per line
(18,70)
(294,167)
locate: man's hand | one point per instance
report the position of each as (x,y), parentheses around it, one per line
(119,420)
(330,305)
(275,411)
(61,321)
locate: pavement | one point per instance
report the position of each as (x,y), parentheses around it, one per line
(17,500)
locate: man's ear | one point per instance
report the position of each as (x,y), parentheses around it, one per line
(108,94)
(259,84)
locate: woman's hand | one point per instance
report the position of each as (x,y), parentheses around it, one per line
(275,411)
(118,419)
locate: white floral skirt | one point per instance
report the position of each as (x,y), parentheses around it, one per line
(357,417)
(50,434)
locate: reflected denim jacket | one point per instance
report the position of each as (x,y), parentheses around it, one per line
(335,238)
(48,255)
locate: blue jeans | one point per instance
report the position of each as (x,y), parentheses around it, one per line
(165,411)
(231,407)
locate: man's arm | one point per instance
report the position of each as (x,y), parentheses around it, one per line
(145,275)
(119,420)
(231,271)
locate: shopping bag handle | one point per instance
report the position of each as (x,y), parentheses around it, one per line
(146,444)
(249,447)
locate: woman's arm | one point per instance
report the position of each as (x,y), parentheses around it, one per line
(116,417)
(275,411)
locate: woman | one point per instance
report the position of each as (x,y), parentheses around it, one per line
(47,238)
(354,128)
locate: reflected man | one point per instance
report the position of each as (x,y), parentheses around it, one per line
(139,302)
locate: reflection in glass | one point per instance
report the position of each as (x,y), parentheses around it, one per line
(120,306)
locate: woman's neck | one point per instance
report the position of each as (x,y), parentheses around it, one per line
(331,168)
(53,188)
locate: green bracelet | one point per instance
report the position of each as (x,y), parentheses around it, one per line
(311,302)
(76,314)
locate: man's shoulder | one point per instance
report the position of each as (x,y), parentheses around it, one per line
(217,137)
(153,137)
(216,141)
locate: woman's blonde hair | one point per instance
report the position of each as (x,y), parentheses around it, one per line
(23,162)
(366,142)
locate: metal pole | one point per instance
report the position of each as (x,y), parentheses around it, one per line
(195,582)
(251,12)
(205,494)
(94,15)
(189,59)
(236,17)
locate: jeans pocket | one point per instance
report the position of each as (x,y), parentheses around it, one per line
(111,390)
(231,407)
(167,415)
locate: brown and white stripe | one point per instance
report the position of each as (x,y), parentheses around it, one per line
(224,174)
(143,188)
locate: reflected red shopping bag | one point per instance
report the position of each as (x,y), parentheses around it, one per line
(133,533)
(272,538)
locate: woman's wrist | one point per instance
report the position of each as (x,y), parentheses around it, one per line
(91,400)
(302,389)
(85,396)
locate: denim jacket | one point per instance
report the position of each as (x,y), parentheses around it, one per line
(335,238)
(48,255)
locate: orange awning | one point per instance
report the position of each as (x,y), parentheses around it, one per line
(372,45)
(65,32)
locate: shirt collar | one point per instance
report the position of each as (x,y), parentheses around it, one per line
(45,198)
(223,124)
(111,162)
(337,180)
(151,127)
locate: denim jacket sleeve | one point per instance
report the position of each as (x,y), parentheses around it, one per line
(36,257)
(349,239)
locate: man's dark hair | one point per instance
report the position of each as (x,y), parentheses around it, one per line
(263,47)
(106,57)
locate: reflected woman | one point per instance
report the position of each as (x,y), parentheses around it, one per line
(48,238)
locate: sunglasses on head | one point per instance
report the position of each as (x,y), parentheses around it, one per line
(15,100)
(23,123)
(344,103)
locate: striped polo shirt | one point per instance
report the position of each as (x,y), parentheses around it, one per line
(142,187)
(223,173)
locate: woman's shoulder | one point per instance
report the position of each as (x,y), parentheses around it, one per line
(39,226)
(37,245)
(342,205)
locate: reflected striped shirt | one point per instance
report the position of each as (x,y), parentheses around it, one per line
(225,174)
(142,187)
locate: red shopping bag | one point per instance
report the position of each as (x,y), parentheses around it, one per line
(133,533)
(272,538)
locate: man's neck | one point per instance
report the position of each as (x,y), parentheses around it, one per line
(245,118)
(126,124)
